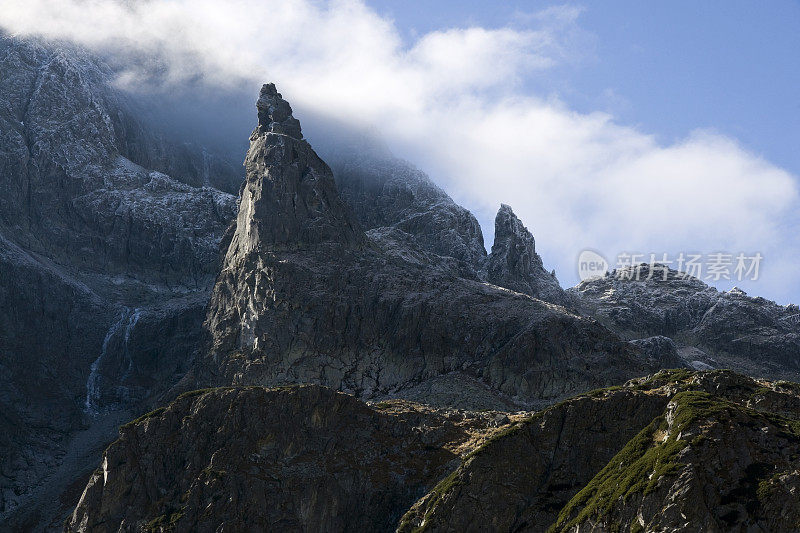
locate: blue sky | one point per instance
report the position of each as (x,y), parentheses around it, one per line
(667,67)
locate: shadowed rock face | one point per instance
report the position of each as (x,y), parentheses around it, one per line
(85,179)
(711,329)
(91,230)
(49,328)
(514,263)
(304,296)
(295,459)
(396,202)
(675,451)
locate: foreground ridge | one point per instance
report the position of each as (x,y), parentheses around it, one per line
(674,451)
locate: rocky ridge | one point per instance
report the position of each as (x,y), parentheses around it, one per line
(676,451)
(296,459)
(710,329)
(669,452)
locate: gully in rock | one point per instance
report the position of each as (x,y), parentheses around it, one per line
(127,319)
(134,318)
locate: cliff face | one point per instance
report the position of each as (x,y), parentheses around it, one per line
(84,176)
(710,329)
(305,296)
(105,263)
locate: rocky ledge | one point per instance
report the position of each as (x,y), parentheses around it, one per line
(301,458)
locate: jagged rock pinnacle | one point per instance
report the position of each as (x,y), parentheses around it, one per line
(508,226)
(289,200)
(275,113)
(514,263)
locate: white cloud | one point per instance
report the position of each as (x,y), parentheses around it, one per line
(454,102)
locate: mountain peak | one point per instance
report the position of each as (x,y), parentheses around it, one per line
(508,226)
(275,113)
(514,263)
(289,200)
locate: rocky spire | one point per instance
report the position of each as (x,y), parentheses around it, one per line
(289,200)
(275,113)
(514,263)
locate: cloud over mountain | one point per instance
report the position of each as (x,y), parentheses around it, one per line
(458,102)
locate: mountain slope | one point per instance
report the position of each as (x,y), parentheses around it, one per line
(678,451)
(300,458)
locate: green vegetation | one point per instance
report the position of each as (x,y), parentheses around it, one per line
(599,393)
(211,473)
(151,414)
(635,469)
(652,455)
(767,487)
(787,386)
(696,405)
(666,377)
(645,460)
(638,467)
(166,522)
(636,527)
(503,433)
(438,492)
(193,393)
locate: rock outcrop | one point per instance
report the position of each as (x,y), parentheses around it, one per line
(396,202)
(675,451)
(711,329)
(301,458)
(305,296)
(514,263)
(678,451)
